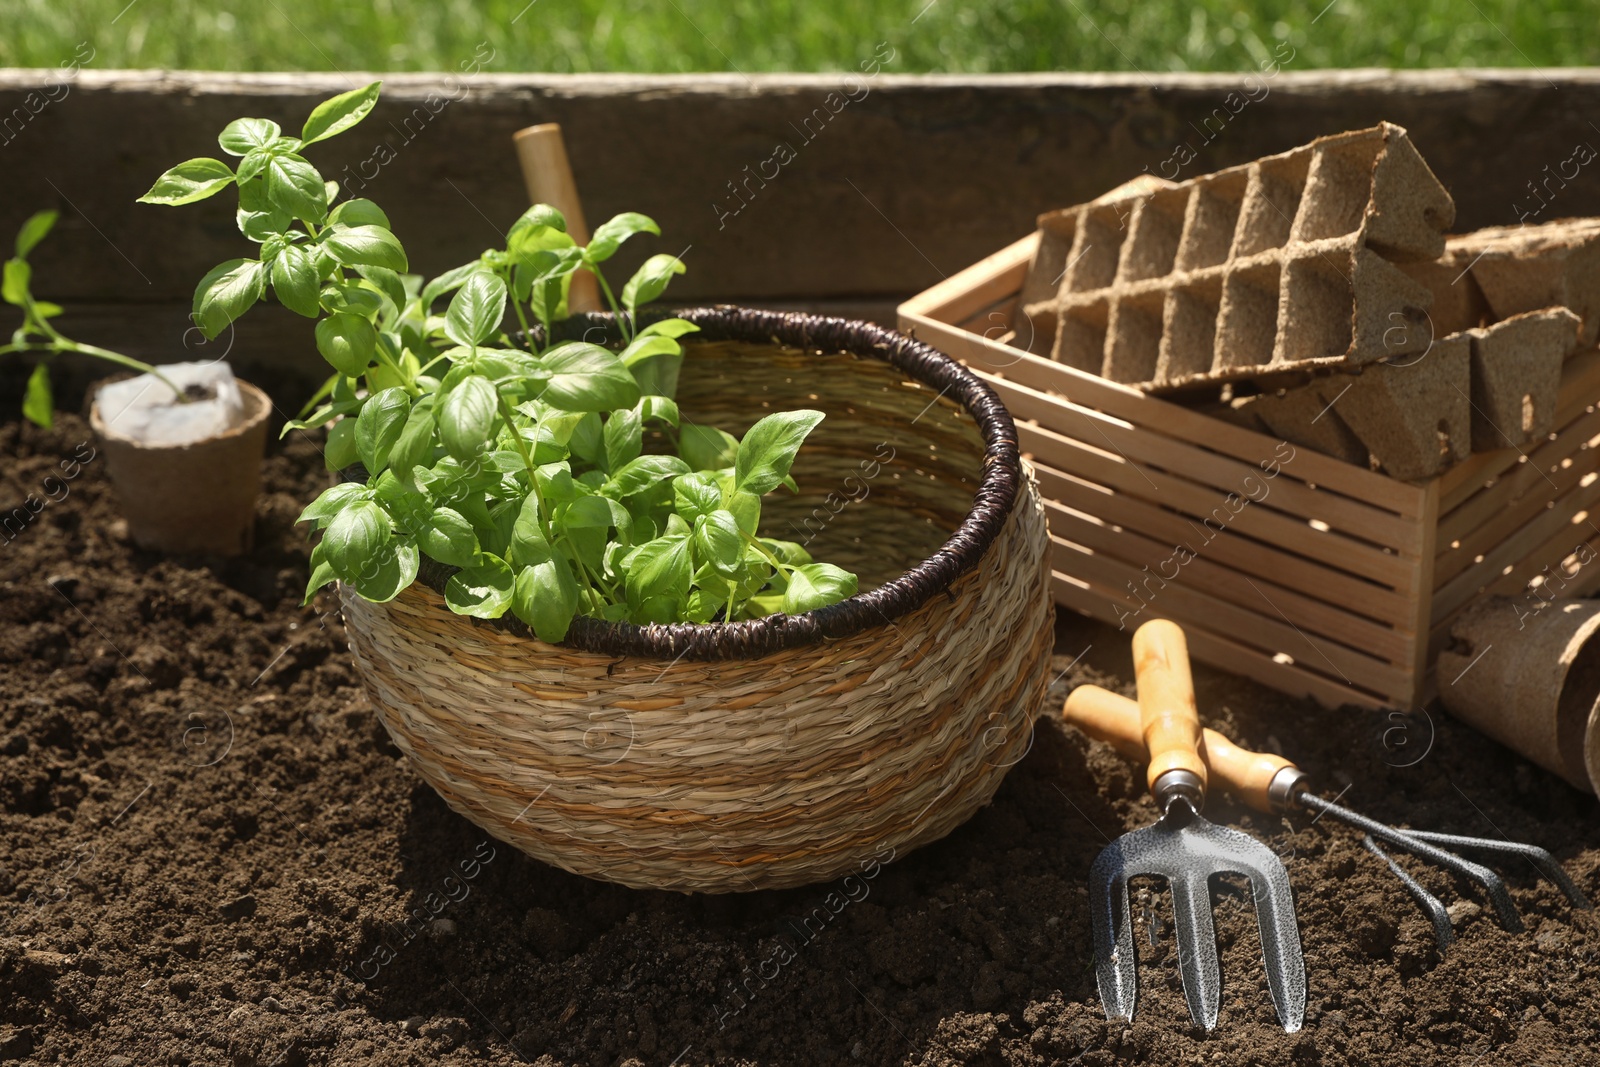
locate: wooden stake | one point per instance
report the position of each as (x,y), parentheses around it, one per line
(548,175)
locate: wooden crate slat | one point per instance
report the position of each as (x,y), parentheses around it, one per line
(1265,629)
(1206,575)
(1526,478)
(1584,582)
(1376,602)
(1062,384)
(1579,390)
(1207,647)
(1226,475)
(990,320)
(1509,517)
(1549,526)
(987,281)
(1354,569)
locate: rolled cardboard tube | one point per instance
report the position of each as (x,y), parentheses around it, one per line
(198,497)
(547,173)
(1526,672)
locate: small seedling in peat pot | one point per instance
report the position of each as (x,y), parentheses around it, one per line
(37,334)
(520,462)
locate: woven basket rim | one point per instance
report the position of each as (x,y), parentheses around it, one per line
(752,638)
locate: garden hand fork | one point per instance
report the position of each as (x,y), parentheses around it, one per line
(1271,783)
(1186,850)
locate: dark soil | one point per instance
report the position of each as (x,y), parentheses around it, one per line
(210,853)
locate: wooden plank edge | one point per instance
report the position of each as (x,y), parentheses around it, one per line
(1236,659)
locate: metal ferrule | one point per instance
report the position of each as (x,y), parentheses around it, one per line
(1285,785)
(1179,783)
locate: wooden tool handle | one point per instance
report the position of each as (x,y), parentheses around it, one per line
(547,173)
(1105,716)
(1167,715)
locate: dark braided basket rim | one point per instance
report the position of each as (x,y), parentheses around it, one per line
(991,505)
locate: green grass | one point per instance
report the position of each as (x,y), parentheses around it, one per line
(957,36)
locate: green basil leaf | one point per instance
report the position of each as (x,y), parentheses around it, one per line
(528,542)
(546,598)
(768,449)
(650,280)
(295,281)
(702,606)
(549,300)
(355,536)
(261,226)
(476,309)
(378,427)
(695,494)
(333,500)
(241,135)
(707,448)
(253,193)
(387,573)
(758,606)
(668,328)
(227,291)
(355,298)
(661,568)
(448,282)
(347,342)
(483,591)
(555,483)
(640,474)
(541,267)
(321,575)
(746,508)
(339,113)
(588,439)
(642,348)
(340,451)
(293,185)
(356,246)
(718,542)
(586,377)
(14,287)
(624,437)
(414,447)
(38,405)
(661,408)
(449,538)
(358,212)
(789,552)
(191,180)
(609,235)
(588,513)
(34,230)
(536,217)
(466,418)
(390,282)
(816,585)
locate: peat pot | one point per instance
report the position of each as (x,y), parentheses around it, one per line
(198,497)
(779,751)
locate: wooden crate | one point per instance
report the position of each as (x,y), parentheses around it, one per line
(1307,573)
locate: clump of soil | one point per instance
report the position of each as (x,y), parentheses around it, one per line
(210,853)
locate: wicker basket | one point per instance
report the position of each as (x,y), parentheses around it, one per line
(784,750)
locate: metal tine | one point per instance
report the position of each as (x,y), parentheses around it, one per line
(1491,883)
(1442,931)
(1197,946)
(1280,938)
(1547,864)
(1116,966)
